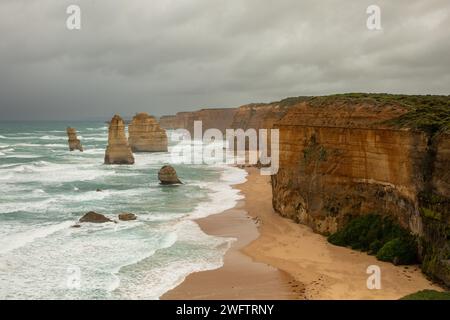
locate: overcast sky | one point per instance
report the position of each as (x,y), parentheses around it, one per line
(164,56)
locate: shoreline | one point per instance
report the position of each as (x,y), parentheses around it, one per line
(275,258)
(240,277)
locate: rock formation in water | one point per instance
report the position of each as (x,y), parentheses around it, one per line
(118,150)
(145,134)
(94,217)
(74,142)
(125,216)
(345,156)
(167,175)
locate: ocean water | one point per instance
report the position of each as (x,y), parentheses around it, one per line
(45,189)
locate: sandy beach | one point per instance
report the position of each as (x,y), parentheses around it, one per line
(275,258)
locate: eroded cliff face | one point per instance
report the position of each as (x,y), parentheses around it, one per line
(220,118)
(118,150)
(252,116)
(145,134)
(434,203)
(178,121)
(340,159)
(169,122)
(74,142)
(257,117)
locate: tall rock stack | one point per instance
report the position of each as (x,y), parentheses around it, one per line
(145,134)
(118,150)
(74,142)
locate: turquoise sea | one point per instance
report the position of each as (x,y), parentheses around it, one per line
(45,189)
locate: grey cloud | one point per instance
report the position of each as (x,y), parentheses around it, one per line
(165,56)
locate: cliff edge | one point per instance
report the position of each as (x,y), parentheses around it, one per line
(349,155)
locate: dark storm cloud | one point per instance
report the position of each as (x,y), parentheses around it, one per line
(164,56)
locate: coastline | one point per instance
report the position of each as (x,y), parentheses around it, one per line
(275,258)
(240,277)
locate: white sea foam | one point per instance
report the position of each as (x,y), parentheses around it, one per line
(22,156)
(105,253)
(102,139)
(222,195)
(52,137)
(20,239)
(41,206)
(97,129)
(33,145)
(154,280)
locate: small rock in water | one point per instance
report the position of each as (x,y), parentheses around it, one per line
(94,217)
(76,226)
(99,190)
(125,216)
(167,175)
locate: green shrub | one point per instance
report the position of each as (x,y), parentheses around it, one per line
(379,236)
(399,251)
(428,295)
(375,246)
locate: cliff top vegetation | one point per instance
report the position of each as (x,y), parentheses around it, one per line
(430,113)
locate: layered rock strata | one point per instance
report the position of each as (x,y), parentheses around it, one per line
(145,134)
(74,142)
(341,158)
(118,150)
(218,118)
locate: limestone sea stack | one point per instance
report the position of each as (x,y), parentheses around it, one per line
(145,134)
(167,176)
(74,142)
(118,150)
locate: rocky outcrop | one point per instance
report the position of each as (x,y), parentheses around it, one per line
(145,134)
(125,216)
(74,142)
(344,157)
(118,150)
(94,217)
(167,175)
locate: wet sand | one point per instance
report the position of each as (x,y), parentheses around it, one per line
(275,258)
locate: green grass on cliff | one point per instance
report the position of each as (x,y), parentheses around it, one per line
(428,295)
(430,113)
(379,236)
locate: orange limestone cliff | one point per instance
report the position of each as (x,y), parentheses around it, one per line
(74,142)
(341,157)
(145,134)
(219,118)
(118,150)
(216,118)
(259,116)
(169,122)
